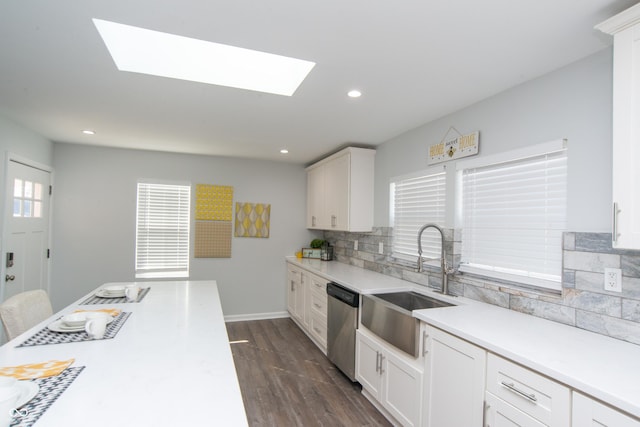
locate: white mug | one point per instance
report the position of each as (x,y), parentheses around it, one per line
(9,394)
(131,292)
(96,327)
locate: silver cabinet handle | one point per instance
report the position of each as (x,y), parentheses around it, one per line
(317,305)
(614,234)
(333,220)
(381,359)
(292,287)
(313,220)
(532,397)
(377,361)
(425,335)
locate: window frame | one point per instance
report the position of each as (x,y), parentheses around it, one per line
(179,256)
(536,279)
(430,243)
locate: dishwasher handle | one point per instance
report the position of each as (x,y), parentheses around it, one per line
(343,294)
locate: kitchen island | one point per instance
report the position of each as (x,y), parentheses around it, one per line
(170,364)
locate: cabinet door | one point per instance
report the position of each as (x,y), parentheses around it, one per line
(626,133)
(337,190)
(368,364)
(316,218)
(501,414)
(402,395)
(454,379)
(588,412)
(293,280)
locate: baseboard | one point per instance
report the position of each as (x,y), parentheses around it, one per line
(255,316)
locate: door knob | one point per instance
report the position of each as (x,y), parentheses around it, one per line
(9,278)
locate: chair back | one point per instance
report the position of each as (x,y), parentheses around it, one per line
(22,311)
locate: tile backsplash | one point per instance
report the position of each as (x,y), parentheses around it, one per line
(583,302)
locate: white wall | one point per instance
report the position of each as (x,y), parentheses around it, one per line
(94,222)
(573,102)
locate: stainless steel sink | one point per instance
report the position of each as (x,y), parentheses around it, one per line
(389,316)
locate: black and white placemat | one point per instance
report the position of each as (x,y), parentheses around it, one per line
(50,389)
(94,299)
(47,336)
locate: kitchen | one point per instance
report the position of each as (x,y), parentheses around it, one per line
(93,215)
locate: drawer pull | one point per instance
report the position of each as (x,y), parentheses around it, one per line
(317,305)
(532,397)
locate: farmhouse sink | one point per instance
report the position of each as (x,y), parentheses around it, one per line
(389,316)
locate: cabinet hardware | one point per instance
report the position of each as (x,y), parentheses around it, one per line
(9,278)
(377,361)
(317,305)
(425,335)
(313,221)
(381,359)
(510,386)
(292,287)
(333,220)
(614,234)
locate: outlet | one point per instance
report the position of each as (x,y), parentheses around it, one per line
(613,279)
(380,248)
(355,245)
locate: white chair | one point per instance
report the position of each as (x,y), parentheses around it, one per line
(22,311)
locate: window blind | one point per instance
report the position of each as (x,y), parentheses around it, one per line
(514,214)
(417,201)
(162,230)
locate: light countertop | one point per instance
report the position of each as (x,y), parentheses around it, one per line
(170,364)
(600,366)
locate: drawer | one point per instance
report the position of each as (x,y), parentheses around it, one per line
(318,328)
(536,395)
(319,304)
(318,285)
(499,413)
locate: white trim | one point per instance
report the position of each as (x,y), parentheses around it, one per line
(621,21)
(432,170)
(516,278)
(511,155)
(256,316)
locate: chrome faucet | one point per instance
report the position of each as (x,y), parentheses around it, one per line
(443,261)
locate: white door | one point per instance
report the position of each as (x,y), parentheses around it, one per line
(25,254)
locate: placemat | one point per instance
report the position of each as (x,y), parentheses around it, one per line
(46,336)
(50,389)
(94,299)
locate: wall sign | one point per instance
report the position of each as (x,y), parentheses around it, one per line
(454,148)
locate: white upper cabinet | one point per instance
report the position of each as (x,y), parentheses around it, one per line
(340,191)
(625,28)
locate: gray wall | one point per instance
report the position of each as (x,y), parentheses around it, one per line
(94,222)
(574,103)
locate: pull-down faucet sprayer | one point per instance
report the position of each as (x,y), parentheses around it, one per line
(443,261)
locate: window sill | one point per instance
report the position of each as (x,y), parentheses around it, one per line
(513,287)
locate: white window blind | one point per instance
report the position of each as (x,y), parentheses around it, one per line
(162,230)
(514,213)
(417,201)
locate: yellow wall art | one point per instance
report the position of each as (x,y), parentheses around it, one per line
(252,219)
(214,202)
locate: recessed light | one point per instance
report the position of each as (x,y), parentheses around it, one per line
(354,94)
(88,132)
(145,51)
(284,151)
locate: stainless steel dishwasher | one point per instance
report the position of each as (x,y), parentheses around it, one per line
(342,321)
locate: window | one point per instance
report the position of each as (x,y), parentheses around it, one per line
(416,201)
(514,213)
(162,230)
(27,199)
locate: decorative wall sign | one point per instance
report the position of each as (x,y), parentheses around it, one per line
(454,148)
(252,219)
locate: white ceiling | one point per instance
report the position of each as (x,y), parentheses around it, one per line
(414,61)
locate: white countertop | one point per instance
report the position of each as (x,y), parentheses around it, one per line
(169,365)
(603,367)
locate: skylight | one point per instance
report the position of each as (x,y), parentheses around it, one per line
(145,51)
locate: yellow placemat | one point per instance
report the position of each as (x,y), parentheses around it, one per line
(36,370)
(110,311)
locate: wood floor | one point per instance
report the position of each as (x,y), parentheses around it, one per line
(287,381)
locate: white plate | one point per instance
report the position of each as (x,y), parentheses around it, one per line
(59,326)
(28,390)
(103,293)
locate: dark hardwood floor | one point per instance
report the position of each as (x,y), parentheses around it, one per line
(287,381)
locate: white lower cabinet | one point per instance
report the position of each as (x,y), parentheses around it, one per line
(307,303)
(454,381)
(589,412)
(517,396)
(391,378)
